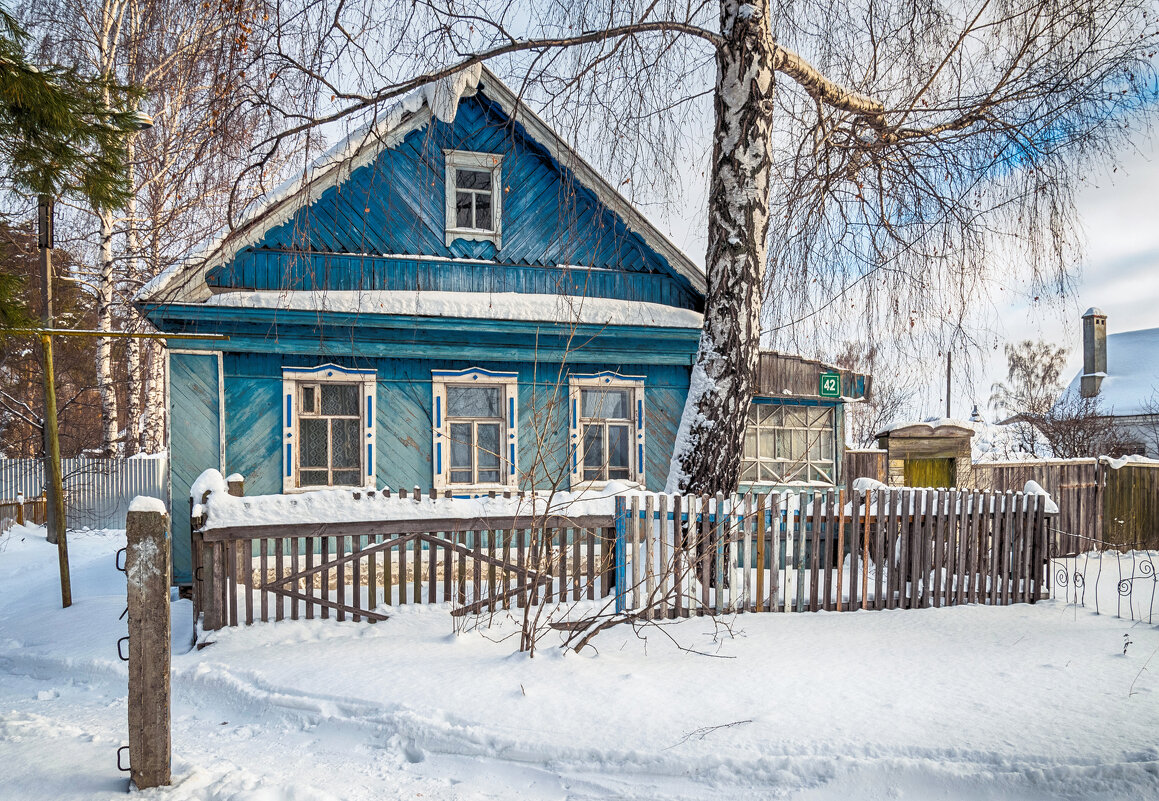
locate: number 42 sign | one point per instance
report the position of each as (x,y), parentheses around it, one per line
(830,385)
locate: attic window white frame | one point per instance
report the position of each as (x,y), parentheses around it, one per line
(480,162)
(605,380)
(508,384)
(293,379)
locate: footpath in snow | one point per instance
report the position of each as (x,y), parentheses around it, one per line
(1019,702)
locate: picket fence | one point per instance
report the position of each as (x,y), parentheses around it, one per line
(662,556)
(812,551)
(97,491)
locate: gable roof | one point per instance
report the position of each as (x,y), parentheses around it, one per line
(186,282)
(1131,385)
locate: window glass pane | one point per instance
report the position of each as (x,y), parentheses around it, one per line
(618,445)
(784,444)
(770,471)
(312,445)
(795,417)
(766,411)
(348,478)
(593,450)
(472,179)
(752,418)
(768,445)
(487,448)
(483,212)
(462,209)
(344,451)
(461,477)
(474,402)
(797,449)
(340,399)
(309,401)
(313,478)
(748,471)
(461,447)
(606,403)
(750,442)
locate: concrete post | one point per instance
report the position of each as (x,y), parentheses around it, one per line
(147,578)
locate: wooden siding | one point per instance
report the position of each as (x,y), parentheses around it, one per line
(782,374)
(395,205)
(294,270)
(403,418)
(334,334)
(194,442)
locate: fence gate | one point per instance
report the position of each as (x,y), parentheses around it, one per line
(357,569)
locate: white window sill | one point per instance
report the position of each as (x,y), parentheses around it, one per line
(595,486)
(473,234)
(477,489)
(347,487)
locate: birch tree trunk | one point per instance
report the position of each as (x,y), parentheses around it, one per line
(153,435)
(134,376)
(710,441)
(104,357)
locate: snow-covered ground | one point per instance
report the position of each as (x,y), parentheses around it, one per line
(1026,702)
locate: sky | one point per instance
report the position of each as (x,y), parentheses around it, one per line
(1119,273)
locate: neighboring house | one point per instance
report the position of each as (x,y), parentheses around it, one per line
(454,299)
(1122,372)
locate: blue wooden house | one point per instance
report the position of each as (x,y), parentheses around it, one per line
(452,298)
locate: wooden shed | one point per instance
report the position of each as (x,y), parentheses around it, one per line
(928,454)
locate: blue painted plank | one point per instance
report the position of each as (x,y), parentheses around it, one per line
(194,440)
(395,205)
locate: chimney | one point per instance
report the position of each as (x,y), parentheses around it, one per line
(1094,351)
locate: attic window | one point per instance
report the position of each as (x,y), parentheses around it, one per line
(474,196)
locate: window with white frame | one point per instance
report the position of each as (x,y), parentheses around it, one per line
(328,431)
(789,443)
(606,414)
(475,417)
(474,196)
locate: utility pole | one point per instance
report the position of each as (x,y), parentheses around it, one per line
(55,511)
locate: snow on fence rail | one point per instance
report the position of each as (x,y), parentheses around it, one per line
(793,552)
(97,491)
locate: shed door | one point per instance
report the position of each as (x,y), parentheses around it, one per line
(929,472)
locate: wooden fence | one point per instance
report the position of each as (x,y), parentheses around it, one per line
(1099,506)
(33,511)
(887,549)
(248,573)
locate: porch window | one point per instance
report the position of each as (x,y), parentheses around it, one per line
(474,200)
(328,428)
(474,427)
(607,429)
(786,444)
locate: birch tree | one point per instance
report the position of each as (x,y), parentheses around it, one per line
(896,147)
(184,57)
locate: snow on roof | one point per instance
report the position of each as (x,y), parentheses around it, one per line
(929,423)
(1094,311)
(472,305)
(1132,378)
(441,99)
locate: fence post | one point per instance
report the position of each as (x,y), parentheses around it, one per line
(20,508)
(243,561)
(147,582)
(621,578)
